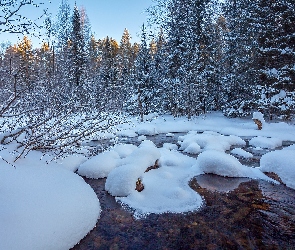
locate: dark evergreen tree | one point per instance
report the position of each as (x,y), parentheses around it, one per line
(187,57)
(77,54)
(276,57)
(240,57)
(109,74)
(143,89)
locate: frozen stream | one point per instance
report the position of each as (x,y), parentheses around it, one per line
(239,213)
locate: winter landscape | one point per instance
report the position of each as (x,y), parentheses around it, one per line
(184,140)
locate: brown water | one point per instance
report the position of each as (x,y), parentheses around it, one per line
(255,215)
(238,213)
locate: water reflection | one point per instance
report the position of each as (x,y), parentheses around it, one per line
(218,183)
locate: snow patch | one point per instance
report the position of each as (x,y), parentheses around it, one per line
(241,152)
(100,165)
(44,208)
(121,180)
(216,162)
(264,142)
(281,162)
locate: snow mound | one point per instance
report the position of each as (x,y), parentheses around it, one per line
(193,148)
(258,116)
(44,208)
(166,189)
(216,162)
(241,152)
(264,142)
(281,162)
(209,141)
(147,129)
(121,181)
(124,149)
(170,135)
(127,133)
(100,165)
(141,138)
(170,146)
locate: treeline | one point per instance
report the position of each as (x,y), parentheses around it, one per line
(235,56)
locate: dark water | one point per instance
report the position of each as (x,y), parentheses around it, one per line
(254,215)
(238,213)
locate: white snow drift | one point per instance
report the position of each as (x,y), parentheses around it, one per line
(44,208)
(281,162)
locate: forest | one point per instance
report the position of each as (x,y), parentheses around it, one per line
(234,56)
(184,140)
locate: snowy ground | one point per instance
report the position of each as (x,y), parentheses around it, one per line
(47,206)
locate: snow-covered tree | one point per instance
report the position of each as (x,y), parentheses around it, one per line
(77,53)
(143,90)
(276,57)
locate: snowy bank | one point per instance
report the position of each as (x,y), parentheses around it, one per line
(44,208)
(216,162)
(281,162)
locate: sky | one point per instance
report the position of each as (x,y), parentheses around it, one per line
(107,17)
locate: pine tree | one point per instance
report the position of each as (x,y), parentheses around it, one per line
(276,57)
(61,49)
(77,55)
(157,75)
(109,73)
(143,88)
(62,29)
(187,57)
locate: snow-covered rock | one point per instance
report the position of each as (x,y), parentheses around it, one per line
(281,162)
(124,149)
(258,116)
(170,146)
(216,162)
(121,181)
(209,141)
(100,165)
(166,189)
(241,152)
(264,142)
(193,148)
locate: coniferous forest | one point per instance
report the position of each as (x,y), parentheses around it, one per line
(234,56)
(182,140)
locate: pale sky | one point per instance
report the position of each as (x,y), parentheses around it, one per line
(107,17)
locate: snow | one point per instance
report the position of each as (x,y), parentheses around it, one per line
(258,116)
(281,162)
(170,146)
(193,148)
(44,208)
(37,188)
(100,165)
(241,152)
(43,204)
(170,135)
(194,141)
(216,162)
(124,149)
(146,129)
(214,122)
(121,180)
(127,133)
(166,189)
(141,138)
(264,142)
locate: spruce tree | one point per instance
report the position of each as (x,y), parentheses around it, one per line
(143,88)
(77,55)
(276,57)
